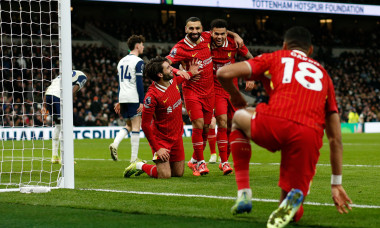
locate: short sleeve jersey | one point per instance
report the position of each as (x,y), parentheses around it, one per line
(128,69)
(165,105)
(302,91)
(225,55)
(77,78)
(185,51)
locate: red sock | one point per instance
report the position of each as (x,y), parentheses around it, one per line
(151,170)
(298,214)
(229,144)
(204,137)
(241,154)
(198,144)
(212,140)
(222,144)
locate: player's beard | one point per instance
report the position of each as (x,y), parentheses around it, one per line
(167,77)
(194,36)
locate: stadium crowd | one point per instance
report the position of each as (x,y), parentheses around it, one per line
(355,75)
(270,33)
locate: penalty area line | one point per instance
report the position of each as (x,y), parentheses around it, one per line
(218,197)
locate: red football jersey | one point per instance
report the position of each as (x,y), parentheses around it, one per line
(185,51)
(163,106)
(222,56)
(302,91)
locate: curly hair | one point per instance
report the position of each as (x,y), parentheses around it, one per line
(154,67)
(133,40)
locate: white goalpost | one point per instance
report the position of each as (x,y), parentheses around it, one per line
(35,47)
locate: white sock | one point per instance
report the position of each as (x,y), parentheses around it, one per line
(120,136)
(248,192)
(200,162)
(55,141)
(139,165)
(135,141)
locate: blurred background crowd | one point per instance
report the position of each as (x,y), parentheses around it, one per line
(26,71)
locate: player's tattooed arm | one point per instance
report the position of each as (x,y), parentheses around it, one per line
(248,55)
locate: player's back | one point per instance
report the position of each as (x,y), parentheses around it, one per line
(128,69)
(77,78)
(300,87)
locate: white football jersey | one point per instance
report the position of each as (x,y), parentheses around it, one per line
(128,69)
(78,78)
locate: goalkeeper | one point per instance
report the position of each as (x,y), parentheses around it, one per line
(162,121)
(53,105)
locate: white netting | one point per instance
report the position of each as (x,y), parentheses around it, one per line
(29,61)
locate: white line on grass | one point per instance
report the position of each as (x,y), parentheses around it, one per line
(218,197)
(252,163)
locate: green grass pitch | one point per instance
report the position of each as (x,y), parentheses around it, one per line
(103,198)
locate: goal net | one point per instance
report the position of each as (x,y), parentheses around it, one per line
(31,57)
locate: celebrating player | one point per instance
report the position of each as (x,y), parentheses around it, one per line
(53,105)
(223,51)
(198,95)
(131,96)
(301,105)
(162,122)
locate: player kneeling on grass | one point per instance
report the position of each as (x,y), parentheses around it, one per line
(301,105)
(162,121)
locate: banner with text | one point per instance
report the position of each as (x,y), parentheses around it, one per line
(78,132)
(110,132)
(283,5)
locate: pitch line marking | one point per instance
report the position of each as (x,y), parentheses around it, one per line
(251,163)
(219,197)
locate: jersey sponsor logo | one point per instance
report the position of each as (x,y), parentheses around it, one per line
(173,52)
(204,63)
(176,104)
(219,65)
(194,54)
(166,100)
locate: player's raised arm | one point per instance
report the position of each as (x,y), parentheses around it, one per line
(238,40)
(225,76)
(334,136)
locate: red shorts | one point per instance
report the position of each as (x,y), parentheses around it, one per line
(223,105)
(299,147)
(177,153)
(200,107)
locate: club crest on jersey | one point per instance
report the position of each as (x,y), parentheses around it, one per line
(173,52)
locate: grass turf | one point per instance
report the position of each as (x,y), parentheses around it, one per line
(95,170)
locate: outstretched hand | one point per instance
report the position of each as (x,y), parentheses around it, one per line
(340,198)
(249,85)
(194,67)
